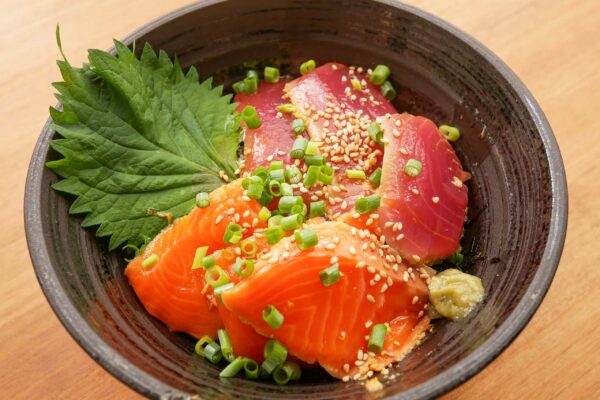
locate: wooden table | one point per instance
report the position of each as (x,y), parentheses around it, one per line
(553,46)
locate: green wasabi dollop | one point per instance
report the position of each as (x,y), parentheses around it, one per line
(453,293)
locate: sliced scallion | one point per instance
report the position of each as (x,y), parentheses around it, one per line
(292,222)
(277,175)
(307,67)
(200,344)
(287,202)
(251,117)
(326,174)
(274,235)
(375,132)
(250,180)
(451,133)
(233,368)
(251,369)
(356,84)
(287,108)
(286,189)
(306,238)
(293,174)
(262,173)
(151,260)
(250,85)
(367,204)
(255,190)
(375,177)
(299,148)
(202,200)
(298,126)
(226,347)
(317,208)
(244,268)
(275,355)
(233,233)
(377,338)
(272,317)
(215,276)
(388,91)
(264,214)
(275,187)
(223,288)
(208,261)
(265,199)
(249,247)
(314,159)
(380,74)
(312,148)
(199,256)
(271,74)
(276,165)
(330,275)
(212,352)
(252,74)
(311,176)
(287,372)
(413,167)
(355,174)
(239,87)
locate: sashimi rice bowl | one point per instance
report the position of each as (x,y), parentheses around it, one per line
(304,222)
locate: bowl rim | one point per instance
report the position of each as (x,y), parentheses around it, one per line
(148,385)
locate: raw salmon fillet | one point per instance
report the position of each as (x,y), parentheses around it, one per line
(421,217)
(169,289)
(328,325)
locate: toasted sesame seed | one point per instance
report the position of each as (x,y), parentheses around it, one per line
(416,258)
(370,298)
(360,264)
(421,313)
(404,151)
(368,324)
(369,222)
(336,240)
(415,299)
(346,368)
(400,236)
(246,213)
(345,378)
(352,250)
(435,199)
(334,259)
(330,246)
(218,219)
(343,335)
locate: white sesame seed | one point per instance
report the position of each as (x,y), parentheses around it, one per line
(368,324)
(415,299)
(334,259)
(435,199)
(346,368)
(369,222)
(352,250)
(416,258)
(360,264)
(330,246)
(343,335)
(218,219)
(400,236)
(370,298)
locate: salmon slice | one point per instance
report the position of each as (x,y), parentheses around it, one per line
(422,217)
(169,289)
(274,138)
(328,325)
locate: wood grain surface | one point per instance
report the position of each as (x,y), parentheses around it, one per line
(553,46)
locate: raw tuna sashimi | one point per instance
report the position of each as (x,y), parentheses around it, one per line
(421,216)
(328,324)
(169,289)
(274,138)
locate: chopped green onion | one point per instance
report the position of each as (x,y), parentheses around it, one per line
(289,371)
(367,204)
(315,159)
(307,66)
(388,91)
(208,261)
(287,108)
(274,235)
(251,117)
(275,188)
(330,275)
(375,133)
(226,347)
(212,352)
(375,177)
(150,261)
(233,368)
(265,198)
(202,200)
(451,133)
(277,175)
(200,344)
(317,208)
(275,355)
(292,222)
(286,189)
(312,174)
(215,276)
(298,126)
(264,214)
(312,148)
(249,247)
(244,268)
(250,180)
(262,173)
(199,256)
(300,209)
(276,165)
(223,288)
(299,147)
(233,233)
(239,87)
(252,74)
(377,338)
(293,174)
(306,238)
(255,190)
(326,174)
(355,174)
(287,202)
(250,85)
(251,369)
(272,317)
(413,167)
(380,74)
(271,74)
(356,84)
(275,221)
(456,258)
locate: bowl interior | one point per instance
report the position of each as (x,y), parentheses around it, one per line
(438,75)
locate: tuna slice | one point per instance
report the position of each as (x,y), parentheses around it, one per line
(275,136)
(421,217)
(169,289)
(328,324)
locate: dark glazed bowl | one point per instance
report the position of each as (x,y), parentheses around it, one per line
(518,194)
